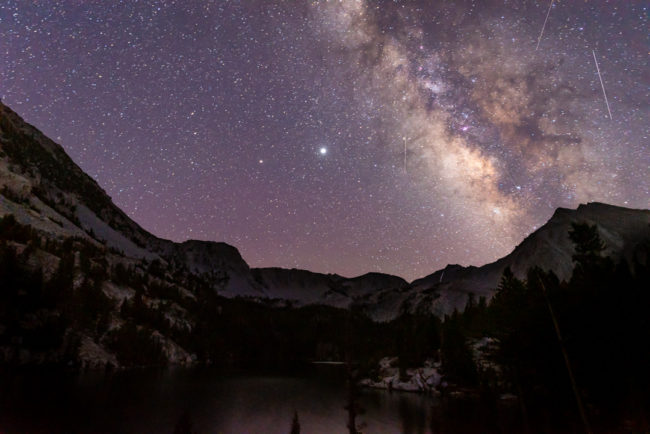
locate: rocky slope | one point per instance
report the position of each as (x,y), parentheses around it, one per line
(62,235)
(64,221)
(625,232)
(44,188)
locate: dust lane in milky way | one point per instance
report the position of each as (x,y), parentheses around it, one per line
(341,136)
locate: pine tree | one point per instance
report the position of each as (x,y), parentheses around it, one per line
(295,424)
(508,302)
(588,252)
(588,245)
(457,360)
(353,407)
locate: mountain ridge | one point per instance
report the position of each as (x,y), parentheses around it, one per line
(92,214)
(47,182)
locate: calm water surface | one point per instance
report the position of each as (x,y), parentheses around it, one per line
(146,401)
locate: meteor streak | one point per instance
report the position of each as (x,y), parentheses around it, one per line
(543,26)
(601,84)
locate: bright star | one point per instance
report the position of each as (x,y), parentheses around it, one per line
(323,151)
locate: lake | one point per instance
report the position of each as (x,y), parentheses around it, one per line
(152,401)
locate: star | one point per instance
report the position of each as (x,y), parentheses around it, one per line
(209,119)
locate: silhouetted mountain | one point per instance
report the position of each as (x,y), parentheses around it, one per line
(52,194)
(623,230)
(82,270)
(106,290)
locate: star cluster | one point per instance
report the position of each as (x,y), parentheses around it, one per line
(340,136)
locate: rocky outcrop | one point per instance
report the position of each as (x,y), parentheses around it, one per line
(425,379)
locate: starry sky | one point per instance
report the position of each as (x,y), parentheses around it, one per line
(341,136)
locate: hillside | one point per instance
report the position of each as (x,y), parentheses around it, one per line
(624,231)
(85,283)
(42,187)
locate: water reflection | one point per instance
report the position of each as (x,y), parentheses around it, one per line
(153,402)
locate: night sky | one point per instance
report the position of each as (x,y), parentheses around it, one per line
(341,136)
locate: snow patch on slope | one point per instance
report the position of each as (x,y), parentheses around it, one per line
(102,231)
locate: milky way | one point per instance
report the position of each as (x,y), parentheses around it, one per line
(343,136)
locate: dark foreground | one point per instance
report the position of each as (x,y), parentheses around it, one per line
(150,401)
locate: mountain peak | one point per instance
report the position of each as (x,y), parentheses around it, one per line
(594,211)
(623,230)
(57,198)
